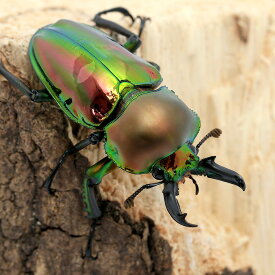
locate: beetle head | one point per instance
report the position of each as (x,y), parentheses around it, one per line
(175,166)
(182,163)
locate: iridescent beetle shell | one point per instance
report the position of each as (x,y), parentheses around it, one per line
(85,70)
(152,125)
(100,84)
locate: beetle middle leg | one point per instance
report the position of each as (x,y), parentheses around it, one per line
(93,139)
(35,95)
(88,252)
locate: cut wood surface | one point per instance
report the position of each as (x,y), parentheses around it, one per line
(219,58)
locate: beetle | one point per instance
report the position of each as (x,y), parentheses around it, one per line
(104,86)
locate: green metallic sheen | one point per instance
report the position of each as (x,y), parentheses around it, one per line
(177,164)
(150,126)
(83,69)
(95,173)
(102,85)
(122,63)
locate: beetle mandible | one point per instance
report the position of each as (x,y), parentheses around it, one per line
(104,86)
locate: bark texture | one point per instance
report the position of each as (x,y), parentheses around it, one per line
(219,58)
(45,234)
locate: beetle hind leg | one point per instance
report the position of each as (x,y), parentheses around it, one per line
(133,40)
(34,95)
(142,23)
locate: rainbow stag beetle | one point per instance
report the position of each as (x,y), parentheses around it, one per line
(102,85)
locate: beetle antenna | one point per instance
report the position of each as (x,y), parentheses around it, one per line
(214,133)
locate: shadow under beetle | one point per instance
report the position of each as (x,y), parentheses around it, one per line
(102,85)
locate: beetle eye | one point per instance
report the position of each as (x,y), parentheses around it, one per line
(158,173)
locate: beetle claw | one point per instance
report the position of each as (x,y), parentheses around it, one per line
(143,18)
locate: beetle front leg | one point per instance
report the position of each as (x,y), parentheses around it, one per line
(35,95)
(88,252)
(93,177)
(93,139)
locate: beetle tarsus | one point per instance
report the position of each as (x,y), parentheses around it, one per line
(89,252)
(143,20)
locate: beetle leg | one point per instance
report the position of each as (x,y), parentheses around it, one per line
(104,23)
(34,95)
(142,23)
(88,252)
(94,139)
(129,202)
(93,177)
(133,41)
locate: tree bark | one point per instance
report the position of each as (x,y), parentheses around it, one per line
(218,57)
(46,234)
